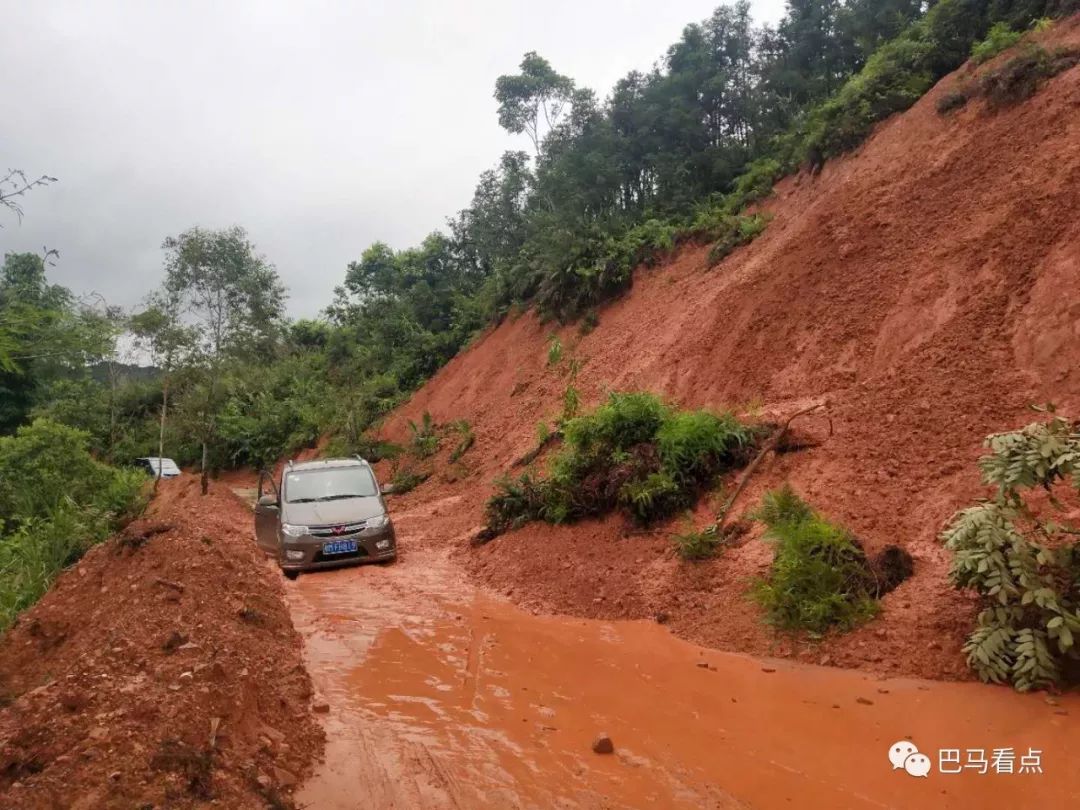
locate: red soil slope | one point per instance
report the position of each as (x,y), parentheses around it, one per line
(927,288)
(158,673)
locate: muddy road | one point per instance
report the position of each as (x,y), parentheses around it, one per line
(441,695)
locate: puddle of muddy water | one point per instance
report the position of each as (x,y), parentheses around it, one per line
(442,696)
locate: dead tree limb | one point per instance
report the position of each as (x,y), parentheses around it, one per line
(771,444)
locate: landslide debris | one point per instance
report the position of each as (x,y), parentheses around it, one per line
(142,680)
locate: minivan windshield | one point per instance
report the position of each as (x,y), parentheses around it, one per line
(330,484)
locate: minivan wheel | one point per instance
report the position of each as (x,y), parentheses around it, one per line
(291,574)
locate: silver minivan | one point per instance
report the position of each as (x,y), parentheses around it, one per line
(323,514)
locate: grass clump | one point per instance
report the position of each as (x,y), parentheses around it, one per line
(698,545)
(633,453)
(555,351)
(820,577)
(466,440)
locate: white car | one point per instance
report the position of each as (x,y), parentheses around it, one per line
(152,465)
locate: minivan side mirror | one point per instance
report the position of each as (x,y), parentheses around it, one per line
(386,489)
(268,500)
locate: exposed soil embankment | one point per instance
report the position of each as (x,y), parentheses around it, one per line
(162,670)
(924,287)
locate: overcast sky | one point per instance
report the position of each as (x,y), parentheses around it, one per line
(318,126)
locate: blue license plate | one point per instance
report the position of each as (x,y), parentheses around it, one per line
(339,547)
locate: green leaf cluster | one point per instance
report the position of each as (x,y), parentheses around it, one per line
(1026,570)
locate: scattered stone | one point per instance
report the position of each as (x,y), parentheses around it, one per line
(284,777)
(115,775)
(320,708)
(864,701)
(662,617)
(603,745)
(768,669)
(703,664)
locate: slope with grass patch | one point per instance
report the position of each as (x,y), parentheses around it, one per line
(915,287)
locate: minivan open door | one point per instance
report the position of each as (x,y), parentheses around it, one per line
(267,514)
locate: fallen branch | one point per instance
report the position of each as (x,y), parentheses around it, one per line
(770,445)
(533,454)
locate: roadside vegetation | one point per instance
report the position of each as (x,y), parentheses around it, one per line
(635,454)
(56,501)
(1020,554)
(821,579)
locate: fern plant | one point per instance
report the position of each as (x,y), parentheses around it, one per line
(1025,569)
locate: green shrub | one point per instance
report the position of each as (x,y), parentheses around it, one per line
(589,322)
(407,479)
(634,453)
(424,440)
(56,502)
(1000,37)
(464,430)
(734,232)
(820,577)
(1025,569)
(698,545)
(554,353)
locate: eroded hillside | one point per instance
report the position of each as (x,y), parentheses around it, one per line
(923,287)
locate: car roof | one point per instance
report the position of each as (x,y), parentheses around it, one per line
(325,463)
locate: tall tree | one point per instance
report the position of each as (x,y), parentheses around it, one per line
(159,330)
(533,100)
(236,301)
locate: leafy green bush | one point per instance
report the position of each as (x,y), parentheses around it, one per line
(1029,588)
(755,183)
(407,479)
(1000,37)
(633,452)
(56,502)
(820,577)
(734,232)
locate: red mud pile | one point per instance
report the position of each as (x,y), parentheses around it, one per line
(162,670)
(927,287)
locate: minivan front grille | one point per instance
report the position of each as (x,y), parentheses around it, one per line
(343,530)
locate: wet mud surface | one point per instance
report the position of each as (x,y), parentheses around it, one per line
(438,694)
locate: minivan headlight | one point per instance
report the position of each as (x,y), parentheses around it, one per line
(292,530)
(377,522)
